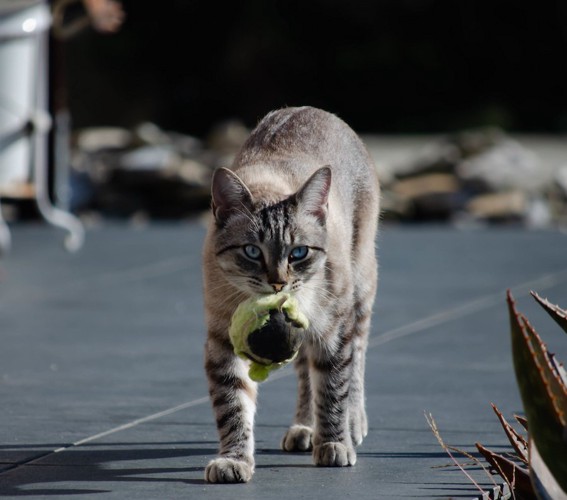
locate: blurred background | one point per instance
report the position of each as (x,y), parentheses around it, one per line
(462,104)
(114,115)
(389,66)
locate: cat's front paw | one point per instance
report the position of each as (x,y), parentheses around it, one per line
(297,438)
(228,470)
(358,425)
(333,455)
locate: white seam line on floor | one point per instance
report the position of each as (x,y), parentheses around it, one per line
(493,299)
(134,423)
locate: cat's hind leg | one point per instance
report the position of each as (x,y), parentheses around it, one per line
(365,272)
(299,436)
(233,396)
(358,422)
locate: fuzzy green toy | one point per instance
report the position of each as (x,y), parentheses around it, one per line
(267,330)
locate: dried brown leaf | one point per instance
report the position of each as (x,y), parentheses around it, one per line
(433,426)
(517,478)
(522,421)
(517,441)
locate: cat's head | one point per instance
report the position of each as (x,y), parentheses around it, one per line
(265,246)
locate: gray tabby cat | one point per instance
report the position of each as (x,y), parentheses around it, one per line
(298,212)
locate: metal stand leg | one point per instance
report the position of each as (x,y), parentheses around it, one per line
(5,238)
(42,121)
(76,237)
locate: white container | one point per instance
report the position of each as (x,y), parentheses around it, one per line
(23,27)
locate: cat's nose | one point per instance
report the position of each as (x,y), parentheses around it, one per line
(278,287)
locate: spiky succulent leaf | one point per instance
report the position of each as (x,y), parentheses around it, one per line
(517,477)
(522,421)
(517,441)
(545,409)
(558,314)
(558,367)
(545,485)
(555,388)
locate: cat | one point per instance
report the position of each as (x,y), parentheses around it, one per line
(297,212)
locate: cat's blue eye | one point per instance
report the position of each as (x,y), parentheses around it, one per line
(299,253)
(252,252)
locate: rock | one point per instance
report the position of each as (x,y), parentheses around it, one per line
(506,166)
(510,205)
(228,137)
(150,134)
(193,172)
(426,185)
(393,206)
(444,154)
(538,214)
(427,197)
(150,159)
(95,139)
(438,157)
(436,206)
(476,141)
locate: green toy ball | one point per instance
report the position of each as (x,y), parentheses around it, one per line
(268,331)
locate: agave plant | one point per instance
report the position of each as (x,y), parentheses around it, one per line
(538,467)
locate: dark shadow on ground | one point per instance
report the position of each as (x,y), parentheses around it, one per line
(76,465)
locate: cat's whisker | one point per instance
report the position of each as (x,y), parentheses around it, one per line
(321,291)
(221,287)
(231,292)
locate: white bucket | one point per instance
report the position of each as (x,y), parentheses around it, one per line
(23,26)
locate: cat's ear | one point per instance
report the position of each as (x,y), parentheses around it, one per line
(229,193)
(313,197)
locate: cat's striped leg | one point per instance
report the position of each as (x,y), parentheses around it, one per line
(358,421)
(331,377)
(298,436)
(365,290)
(233,396)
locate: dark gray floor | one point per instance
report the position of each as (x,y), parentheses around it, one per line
(102,391)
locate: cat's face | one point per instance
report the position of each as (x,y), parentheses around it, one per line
(264,247)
